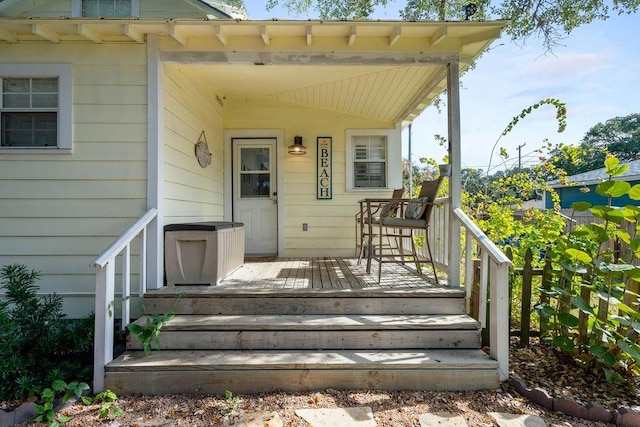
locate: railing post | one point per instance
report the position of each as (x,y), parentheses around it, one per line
(499,319)
(103,339)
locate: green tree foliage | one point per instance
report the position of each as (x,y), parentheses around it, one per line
(548,19)
(618,137)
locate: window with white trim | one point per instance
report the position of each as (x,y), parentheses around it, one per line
(107,8)
(369,156)
(35,108)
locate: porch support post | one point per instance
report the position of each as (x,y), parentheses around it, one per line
(455,188)
(155,160)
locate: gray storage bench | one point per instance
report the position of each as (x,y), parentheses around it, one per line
(202,253)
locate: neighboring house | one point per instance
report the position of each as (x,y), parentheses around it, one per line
(582,187)
(103,103)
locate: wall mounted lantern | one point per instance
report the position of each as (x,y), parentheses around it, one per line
(297,149)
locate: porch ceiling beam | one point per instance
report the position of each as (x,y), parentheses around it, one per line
(264,33)
(7,35)
(309,35)
(309,58)
(134,33)
(483,36)
(177,34)
(395,35)
(352,35)
(45,33)
(89,34)
(221,35)
(439,36)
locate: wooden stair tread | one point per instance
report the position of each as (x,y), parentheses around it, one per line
(220,292)
(317,322)
(199,360)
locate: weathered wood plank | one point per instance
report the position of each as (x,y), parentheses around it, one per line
(316,322)
(207,360)
(313,339)
(263,380)
(308,305)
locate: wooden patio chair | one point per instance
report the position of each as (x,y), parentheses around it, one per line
(417,215)
(370,212)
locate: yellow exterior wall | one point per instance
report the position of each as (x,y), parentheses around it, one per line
(59,211)
(192,193)
(331,229)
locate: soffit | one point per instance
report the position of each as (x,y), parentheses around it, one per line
(386,70)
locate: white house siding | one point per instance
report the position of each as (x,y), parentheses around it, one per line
(330,222)
(192,193)
(40,9)
(170,9)
(59,211)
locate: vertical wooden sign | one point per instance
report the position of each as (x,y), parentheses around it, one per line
(325,190)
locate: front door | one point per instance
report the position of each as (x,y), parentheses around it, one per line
(255,193)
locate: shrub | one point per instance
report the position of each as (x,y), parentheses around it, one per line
(38,343)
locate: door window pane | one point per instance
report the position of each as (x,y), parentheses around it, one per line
(255,174)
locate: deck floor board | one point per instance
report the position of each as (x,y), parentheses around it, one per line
(323,273)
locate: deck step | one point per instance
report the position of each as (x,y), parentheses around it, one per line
(264,371)
(205,300)
(316,331)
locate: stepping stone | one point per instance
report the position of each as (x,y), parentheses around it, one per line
(338,417)
(442,419)
(256,419)
(517,420)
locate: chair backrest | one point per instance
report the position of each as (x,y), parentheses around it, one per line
(429,191)
(389,209)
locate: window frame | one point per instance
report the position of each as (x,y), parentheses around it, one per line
(76,10)
(64,118)
(392,157)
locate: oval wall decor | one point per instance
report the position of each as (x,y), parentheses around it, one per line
(202,151)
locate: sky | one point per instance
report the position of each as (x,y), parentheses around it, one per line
(595,71)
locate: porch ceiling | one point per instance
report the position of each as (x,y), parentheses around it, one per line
(386,70)
(385,93)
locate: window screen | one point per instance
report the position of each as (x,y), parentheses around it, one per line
(29,112)
(106,8)
(370,161)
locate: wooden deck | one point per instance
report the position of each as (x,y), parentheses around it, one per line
(328,273)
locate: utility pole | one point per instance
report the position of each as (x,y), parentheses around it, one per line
(520,156)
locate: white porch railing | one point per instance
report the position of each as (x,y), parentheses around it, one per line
(494,281)
(105,291)
(438,230)
(494,274)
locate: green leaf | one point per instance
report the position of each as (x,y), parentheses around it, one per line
(612,377)
(634,192)
(582,305)
(578,256)
(59,385)
(611,164)
(86,400)
(632,349)
(565,343)
(602,354)
(134,328)
(568,319)
(621,320)
(48,394)
(627,309)
(117,412)
(613,188)
(580,206)
(545,310)
(63,418)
